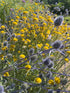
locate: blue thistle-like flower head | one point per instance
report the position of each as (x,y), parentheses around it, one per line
(8,39)
(51,65)
(33,58)
(13,35)
(5,43)
(58,21)
(9,55)
(47,61)
(49,74)
(62,7)
(57,44)
(64,81)
(31,51)
(58,91)
(50,91)
(56,3)
(57,8)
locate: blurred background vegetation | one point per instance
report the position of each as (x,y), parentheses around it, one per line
(65,2)
(63,7)
(6,5)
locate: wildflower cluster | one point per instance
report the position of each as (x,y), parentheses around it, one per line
(33,48)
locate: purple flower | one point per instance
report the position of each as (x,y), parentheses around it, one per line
(11,9)
(23,1)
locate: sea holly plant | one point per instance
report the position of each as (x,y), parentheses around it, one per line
(45,70)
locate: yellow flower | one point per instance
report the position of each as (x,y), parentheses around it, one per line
(2,32)
(45,47)
(14,23)
(1,4)
(28,67)
(68,34)
(2,27)
(23,39)
(39,45)
(6,74)
(9,63)
(19,51)
(25,29)
(38,80)
(47,44)
(22,35)
(25,42)
(35,19)
(29,46)
(28,40)
(52,55)
(35,35)
(22,56)
(43,54)
(40,17)
(12,46)
(51,82)
(57,80)
(12,19)
(48,32)
(15,59)
(68,52)
(32,25)
(44,24)
(2,58)
(25,12)
(59,33)
(17,17)
(68,37)
(18,34)
(22,31)
(4,48)
(66,59)
(15,39)
(24,18)
(25,59)
(16,20)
